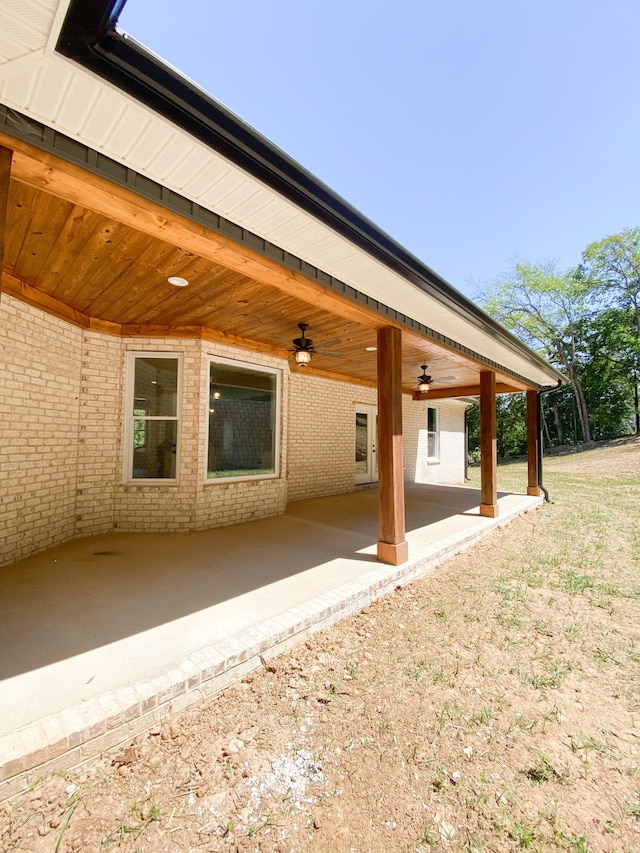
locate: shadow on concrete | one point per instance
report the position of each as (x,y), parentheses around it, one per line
(93,592)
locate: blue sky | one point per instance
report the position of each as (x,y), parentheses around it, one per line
(472,132)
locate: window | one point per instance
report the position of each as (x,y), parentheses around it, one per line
(433,441)
(153,394)
(243,434)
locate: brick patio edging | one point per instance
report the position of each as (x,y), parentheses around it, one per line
(80,733)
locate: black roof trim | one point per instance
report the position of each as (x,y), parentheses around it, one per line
(89,37)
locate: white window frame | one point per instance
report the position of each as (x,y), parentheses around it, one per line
(435,433)
(267,475)
(130,418)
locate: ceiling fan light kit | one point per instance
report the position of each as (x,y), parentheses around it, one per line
(303,347)
(424,381)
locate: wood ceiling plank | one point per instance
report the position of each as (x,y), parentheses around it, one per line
(42,237)
(131,292)
(32,296)
(21,202)
(45,172)
(208,296)
(84,273)
(110,253)
(65,261)
(135,282)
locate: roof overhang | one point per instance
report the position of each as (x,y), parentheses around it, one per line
(78,75)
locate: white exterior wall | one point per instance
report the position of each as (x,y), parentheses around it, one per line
(449,467)
(62,419)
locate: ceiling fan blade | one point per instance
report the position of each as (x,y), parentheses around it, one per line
(330,342)
(328,353)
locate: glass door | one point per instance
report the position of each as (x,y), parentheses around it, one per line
(366,460)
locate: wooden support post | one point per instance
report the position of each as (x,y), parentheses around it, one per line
(488,445)
(533,437)
(5,175)
(392,544)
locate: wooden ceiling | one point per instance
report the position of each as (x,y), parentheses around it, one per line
(96,254)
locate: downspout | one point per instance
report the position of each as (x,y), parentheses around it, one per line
(541,436)
(466,439)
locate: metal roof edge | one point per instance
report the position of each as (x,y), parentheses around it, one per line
(89,37)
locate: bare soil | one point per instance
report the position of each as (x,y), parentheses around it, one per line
(491,706)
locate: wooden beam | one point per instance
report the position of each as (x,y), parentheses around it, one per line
(47,173)
(334,376)
(488,445)
(32,296)
(533,437)
(462,391)
(6,155)
(392,544)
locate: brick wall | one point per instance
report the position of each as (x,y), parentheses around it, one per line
(322,435)
(99,433)
(40,381)
(62,412)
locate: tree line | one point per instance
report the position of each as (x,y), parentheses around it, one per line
(586,322)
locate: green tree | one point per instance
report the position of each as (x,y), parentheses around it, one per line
(613,267)
(546,309)
(611,355)
(511,427)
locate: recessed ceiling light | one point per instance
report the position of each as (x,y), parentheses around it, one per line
(177,281)
(371,349)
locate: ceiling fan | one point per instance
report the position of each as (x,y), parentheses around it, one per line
(303,347)
(424,381)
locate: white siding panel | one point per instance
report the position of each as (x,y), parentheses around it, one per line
(133,123)
(36,16)
(77,102)
(23,28)
(194,161)
(204,183)
(275,219)
(104,116)
(229,192)
(9,50)
(149,144)
(16,89)
(48,92)
(251,207)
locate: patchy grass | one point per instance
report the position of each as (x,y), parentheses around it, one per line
(492,706)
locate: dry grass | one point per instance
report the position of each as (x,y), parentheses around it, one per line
(490,707)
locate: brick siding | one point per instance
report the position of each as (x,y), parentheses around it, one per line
(62,410)
(40,383)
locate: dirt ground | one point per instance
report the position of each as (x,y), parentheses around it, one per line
(491,706)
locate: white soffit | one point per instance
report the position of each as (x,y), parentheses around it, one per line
(38,82)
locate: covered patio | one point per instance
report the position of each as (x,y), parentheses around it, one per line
(105,636)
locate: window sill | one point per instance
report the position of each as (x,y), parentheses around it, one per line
(153,483)
(251,478)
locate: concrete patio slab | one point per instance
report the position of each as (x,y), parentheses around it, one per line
(105,636)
